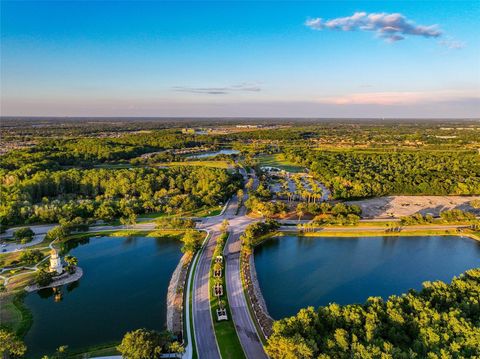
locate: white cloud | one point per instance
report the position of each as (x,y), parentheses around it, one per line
(390,27)
(224,90)
(397,98)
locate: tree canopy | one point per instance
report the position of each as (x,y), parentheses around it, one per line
(440,321)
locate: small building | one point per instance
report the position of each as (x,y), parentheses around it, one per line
(55,262)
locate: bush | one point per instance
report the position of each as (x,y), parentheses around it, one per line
(144,344)
(255,230)
(174,223)
(24,235)
(57,232)
(43,278)
(475,203)
(31,256)
(10,345)
(192,241)
(456,215)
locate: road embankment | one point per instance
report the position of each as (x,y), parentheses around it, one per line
(254,295)
(175,296)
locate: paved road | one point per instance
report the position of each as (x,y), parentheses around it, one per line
(204,332)
(205,340)
(251,344)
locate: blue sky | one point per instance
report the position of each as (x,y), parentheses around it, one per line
(313,59)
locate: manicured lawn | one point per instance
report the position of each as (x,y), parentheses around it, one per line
(366,233)
(158,233)
(214,211)
(278,160)
(96,351)
(227,339)
(14,314)
(201,212)
(10,259)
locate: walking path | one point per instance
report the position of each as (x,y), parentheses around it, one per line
(58,281)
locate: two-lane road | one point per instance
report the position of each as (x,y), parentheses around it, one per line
(251,344)
(205,340)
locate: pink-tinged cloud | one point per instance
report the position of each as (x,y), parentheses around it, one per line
(390,27)
(396,98)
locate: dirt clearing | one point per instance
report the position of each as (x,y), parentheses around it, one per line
(400,206)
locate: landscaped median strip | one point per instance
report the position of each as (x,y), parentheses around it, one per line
(225,331)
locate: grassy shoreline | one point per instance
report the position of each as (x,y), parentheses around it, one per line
(366,233)
(18,317)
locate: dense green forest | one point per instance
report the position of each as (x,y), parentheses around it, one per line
(440,321)
(87,151)
(48,196)
(354,174)
(55,166)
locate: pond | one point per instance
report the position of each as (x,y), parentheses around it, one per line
(212,154)
(296,272)
(124,287)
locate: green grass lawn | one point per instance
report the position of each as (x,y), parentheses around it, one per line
(193,267)
(367,233)
(14,314)
(278,160)
(201,212)
(108,349)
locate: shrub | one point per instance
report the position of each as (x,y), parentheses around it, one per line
(24,234)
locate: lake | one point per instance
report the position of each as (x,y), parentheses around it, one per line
(212,154)
(296,272)
(124,287)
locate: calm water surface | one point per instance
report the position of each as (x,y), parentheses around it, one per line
(211,154)
(295,272)
(124,287)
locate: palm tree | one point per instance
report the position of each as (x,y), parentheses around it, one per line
(224,226)
(300,210)
(72,262)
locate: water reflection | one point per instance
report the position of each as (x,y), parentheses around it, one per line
(124,287)
(72,286)
(295,272)
(45,293)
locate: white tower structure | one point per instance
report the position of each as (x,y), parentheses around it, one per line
(55,262)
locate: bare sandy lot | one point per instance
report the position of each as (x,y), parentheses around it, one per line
(400,206)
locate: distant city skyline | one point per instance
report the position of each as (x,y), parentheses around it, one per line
(356,59)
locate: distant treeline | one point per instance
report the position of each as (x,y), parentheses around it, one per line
(88,151)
